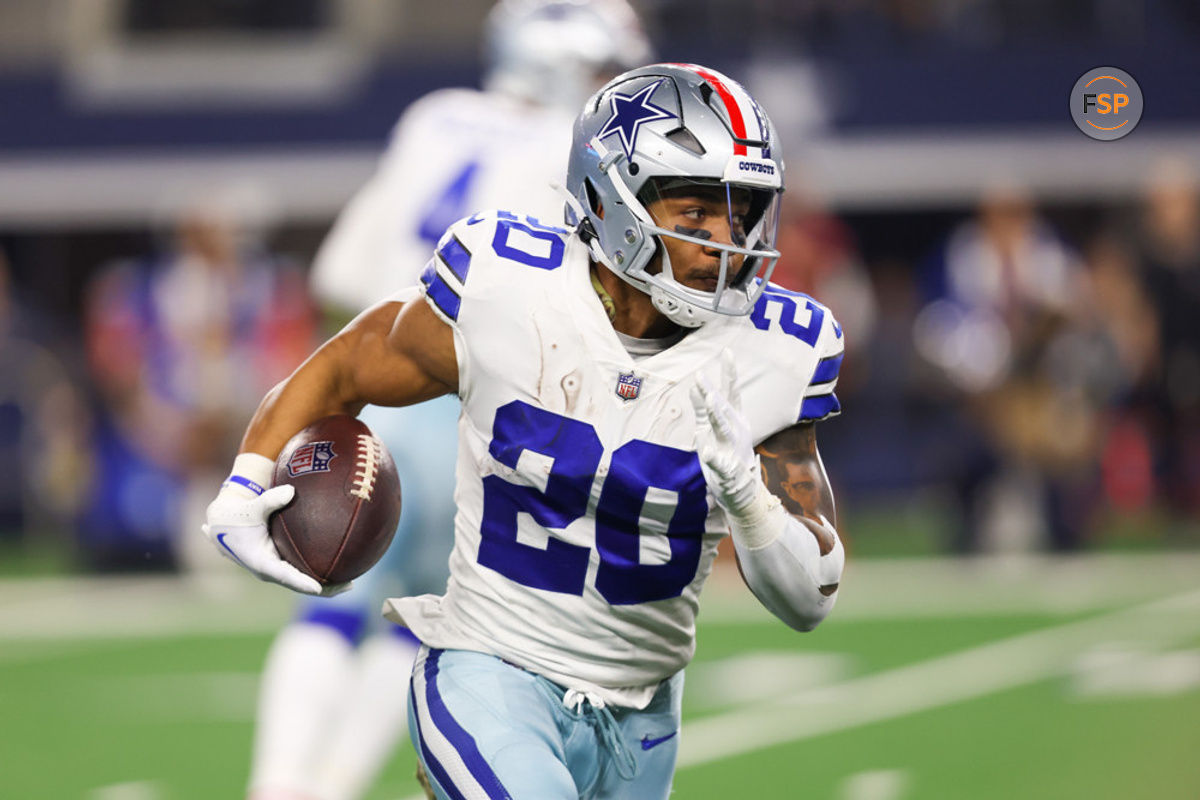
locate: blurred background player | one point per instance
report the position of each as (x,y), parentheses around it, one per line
(453,152)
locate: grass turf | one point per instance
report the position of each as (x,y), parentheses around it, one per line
(172,718)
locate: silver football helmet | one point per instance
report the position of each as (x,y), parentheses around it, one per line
(557,52)
(669,130)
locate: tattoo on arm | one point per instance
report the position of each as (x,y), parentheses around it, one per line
(793,472)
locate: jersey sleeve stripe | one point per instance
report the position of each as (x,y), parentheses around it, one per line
(827,369)
(814,409)
(819,389)
(456,257)
(445,298)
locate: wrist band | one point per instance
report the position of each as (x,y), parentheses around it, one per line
(249,484)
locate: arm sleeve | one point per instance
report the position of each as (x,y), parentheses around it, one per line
(786,575)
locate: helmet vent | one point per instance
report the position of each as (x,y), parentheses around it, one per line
(593,199)
(685,139)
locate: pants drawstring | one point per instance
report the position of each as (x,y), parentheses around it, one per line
(606,725)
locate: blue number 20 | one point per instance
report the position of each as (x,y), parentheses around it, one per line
(576,451)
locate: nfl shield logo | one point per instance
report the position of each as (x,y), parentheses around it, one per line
(628,386)
(312,457)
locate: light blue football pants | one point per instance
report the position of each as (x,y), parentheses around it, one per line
(489,730)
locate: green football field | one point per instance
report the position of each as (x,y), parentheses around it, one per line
(1025,678)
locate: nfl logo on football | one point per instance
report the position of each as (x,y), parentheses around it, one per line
(628,386)
(312,457)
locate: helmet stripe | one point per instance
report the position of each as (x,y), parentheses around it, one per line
(732,107)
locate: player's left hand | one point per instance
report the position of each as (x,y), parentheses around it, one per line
(724,441)
(237,525)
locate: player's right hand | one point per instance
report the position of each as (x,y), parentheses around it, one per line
(724,441)
(237,526)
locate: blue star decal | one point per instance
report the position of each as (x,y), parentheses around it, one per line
(630,112)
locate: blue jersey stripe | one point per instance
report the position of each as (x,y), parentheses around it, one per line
(459,739)
(819,407)
(446,299)
(827,368)
(456,257)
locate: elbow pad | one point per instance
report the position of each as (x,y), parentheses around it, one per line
(786,574)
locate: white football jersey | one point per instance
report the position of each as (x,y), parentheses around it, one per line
(585,530)
(452,152)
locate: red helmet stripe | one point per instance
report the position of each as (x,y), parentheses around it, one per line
(731,104)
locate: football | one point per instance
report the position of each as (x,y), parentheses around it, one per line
(347,501)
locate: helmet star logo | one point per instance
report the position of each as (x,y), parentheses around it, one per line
(630,112)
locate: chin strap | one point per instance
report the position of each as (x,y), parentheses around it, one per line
(685,315)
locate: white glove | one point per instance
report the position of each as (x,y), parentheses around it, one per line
(727,458)
(237,525)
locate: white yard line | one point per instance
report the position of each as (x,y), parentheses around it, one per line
(956,677)
(153,698)
(984,586)
(49,615)
(132,790)
(89,608)
(229,601)
(965,675)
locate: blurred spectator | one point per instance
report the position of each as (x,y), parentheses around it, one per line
(42,423)
(1129,321)
(1008,331)
(1168,245)
(887,449)
(820,258)
(182,344)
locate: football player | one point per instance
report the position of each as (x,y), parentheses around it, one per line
(330,707)
(616,377)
